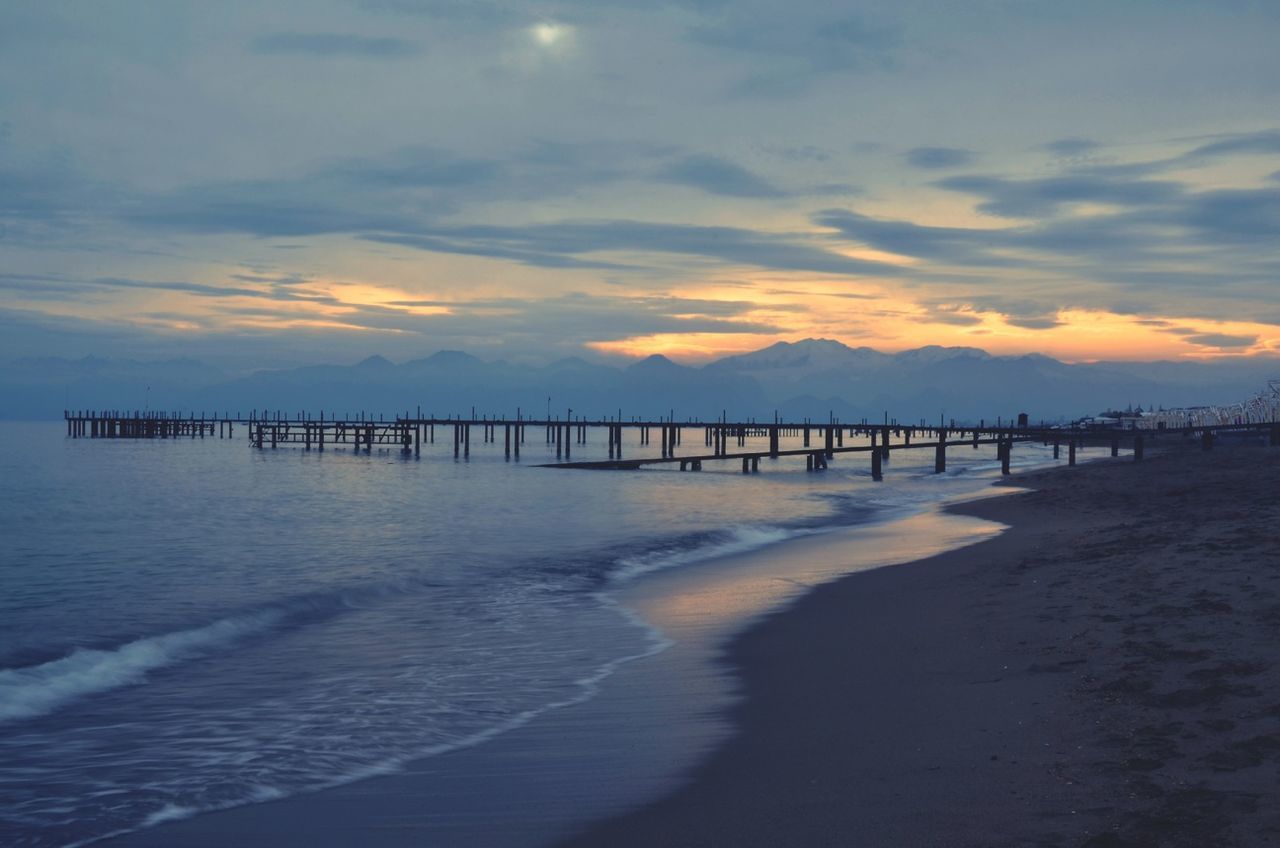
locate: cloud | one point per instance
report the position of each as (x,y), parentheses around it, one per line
(1032,323)
(1235,215)
(331,44)
(933,158)
(1032,198)
(568,241)
(1222,340)
(1263,142)
(1072,147)
(948,244)
(715,175)
(785,52)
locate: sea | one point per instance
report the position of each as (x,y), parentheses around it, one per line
(190,625)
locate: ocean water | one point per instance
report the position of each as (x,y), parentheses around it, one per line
(190,625)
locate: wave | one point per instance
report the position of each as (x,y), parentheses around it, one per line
(735,540)
(41,689)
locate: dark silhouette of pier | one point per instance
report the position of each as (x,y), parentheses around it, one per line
(722,441)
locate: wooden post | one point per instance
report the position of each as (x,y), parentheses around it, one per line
(507,438)
(773,441)
(940,453)
(1071,451)
(466,441)
(1006,448)
(877,472)
(1057,447)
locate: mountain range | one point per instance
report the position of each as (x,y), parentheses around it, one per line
(809,378)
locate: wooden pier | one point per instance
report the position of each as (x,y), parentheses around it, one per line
(722,441)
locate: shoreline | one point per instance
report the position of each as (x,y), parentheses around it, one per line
(1081,679)
(635,739)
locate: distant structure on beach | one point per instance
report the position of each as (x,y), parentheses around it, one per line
(1259,409)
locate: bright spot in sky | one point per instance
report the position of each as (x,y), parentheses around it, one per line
(549,34)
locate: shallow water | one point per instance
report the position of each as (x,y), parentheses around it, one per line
(189,625)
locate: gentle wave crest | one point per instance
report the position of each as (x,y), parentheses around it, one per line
(41,689)
(734,541)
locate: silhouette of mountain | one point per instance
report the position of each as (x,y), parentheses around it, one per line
(813,377)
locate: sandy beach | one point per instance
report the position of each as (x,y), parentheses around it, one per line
(1102,674)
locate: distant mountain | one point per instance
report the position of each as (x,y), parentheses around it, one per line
(810,378)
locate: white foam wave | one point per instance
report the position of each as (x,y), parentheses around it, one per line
(739,540)
(41,689)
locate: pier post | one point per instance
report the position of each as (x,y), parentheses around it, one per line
(457,439)
(1057,448)
(755,465)
(1137,448)
(877,472)
(1115,446)
(466,441)
(773,441)
(940,453)
(1006,449)
(1071,451)
(746,465)
(830,441)
(507,439)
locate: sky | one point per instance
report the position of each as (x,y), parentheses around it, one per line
(300,182)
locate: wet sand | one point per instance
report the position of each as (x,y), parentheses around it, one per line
(1105,673)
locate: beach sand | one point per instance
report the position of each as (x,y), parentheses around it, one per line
(1104,674)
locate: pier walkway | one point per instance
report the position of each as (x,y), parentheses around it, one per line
(727,441)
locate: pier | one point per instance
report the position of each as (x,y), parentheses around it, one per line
(721,441)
